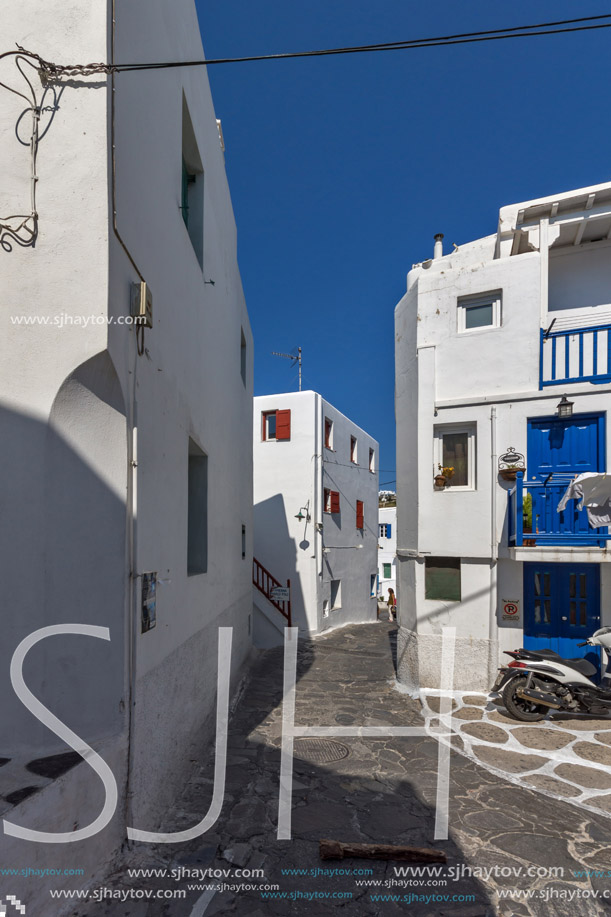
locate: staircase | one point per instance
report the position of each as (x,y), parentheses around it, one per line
(270,614)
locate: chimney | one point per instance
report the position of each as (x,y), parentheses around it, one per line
(438,251)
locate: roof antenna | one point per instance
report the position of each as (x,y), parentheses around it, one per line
(296,358)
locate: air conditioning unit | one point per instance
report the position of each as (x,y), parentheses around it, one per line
(142,304)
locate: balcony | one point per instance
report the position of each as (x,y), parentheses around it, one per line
(575,355)
(549,527)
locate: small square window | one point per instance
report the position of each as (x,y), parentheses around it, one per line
(442,578)
(331,498)
(373,585)
(476,313)
(336,594)
(243,356)
(385,529)
(387,571)
(328,433)
(454,448)
(275,426)
(372,461)
(353,452)
(360,514)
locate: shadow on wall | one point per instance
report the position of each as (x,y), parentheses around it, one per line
(279,552)
(63,549)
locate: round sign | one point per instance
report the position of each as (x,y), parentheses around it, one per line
(510,608)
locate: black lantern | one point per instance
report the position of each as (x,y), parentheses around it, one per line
(565,407)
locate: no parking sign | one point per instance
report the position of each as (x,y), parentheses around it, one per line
(510,609)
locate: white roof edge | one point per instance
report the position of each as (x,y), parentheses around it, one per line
(509,213)
(322,398)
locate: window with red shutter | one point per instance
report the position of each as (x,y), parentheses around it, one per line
(360,516)
(283,424)
(334,501)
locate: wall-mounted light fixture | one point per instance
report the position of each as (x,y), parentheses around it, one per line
(565,407)
(301,515)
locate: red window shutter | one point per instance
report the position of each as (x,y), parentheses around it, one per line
(334,501)
(360,516)
(283,424)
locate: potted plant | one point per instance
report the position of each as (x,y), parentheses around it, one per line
(445,473)
(527,520)
(509,473)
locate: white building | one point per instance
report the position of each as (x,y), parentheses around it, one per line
(488,340)
(387,550)
(316,514)
(118,464)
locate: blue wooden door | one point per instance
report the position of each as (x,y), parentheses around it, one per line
(562,608)
(557,450)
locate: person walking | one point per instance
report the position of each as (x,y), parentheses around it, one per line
(392,604)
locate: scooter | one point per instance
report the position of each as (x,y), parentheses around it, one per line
(537,681)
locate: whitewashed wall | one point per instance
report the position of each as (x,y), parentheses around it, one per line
(68,399)
(289,475)
(387,550)
(488,378)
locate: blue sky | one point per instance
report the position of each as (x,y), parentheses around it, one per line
(342,169)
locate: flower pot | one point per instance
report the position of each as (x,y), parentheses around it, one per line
(440,480)
(529,542)
(509,474)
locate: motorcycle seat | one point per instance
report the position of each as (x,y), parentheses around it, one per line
(580,665)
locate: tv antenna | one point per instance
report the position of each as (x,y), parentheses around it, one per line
(295,357)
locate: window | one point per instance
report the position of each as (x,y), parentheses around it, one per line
(197,520)
(331,501)
(360,515)
(243,542)
(328,433)
(373,586)
(192,186)
(454,447)
(387,571)
(243,356)
(353,449)
(275,425)
(442,578)
(372,461)
(385,529)
(479,312)
(336,593)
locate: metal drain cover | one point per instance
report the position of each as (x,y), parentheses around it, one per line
(319,751)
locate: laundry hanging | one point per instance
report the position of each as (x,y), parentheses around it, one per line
(592,490)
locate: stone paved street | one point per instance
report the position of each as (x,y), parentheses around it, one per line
(379,790)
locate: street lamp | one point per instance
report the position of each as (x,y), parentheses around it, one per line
(565,407)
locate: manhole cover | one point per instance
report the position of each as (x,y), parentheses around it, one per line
(319,751)
(344,719)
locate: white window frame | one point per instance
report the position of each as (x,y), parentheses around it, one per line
(441,430)
(494,299)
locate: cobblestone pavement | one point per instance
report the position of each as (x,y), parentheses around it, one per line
(567,757)
(503,839)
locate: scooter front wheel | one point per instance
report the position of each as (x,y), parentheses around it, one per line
(520,707)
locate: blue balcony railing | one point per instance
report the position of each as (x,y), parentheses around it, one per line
(549,527)
(575,355)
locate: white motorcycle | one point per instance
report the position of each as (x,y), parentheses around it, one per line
(537,681)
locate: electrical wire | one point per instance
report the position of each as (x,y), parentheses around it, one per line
(52,70)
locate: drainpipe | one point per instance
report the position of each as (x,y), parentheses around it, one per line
(132,457)
(317,510)
(492,622)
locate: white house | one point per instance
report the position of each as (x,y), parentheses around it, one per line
(488,340)
(316,515)
(387,549)
(126,487)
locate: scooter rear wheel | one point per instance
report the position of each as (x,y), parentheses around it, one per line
(520,707)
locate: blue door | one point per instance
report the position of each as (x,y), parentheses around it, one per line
(562,608)
(558,449)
